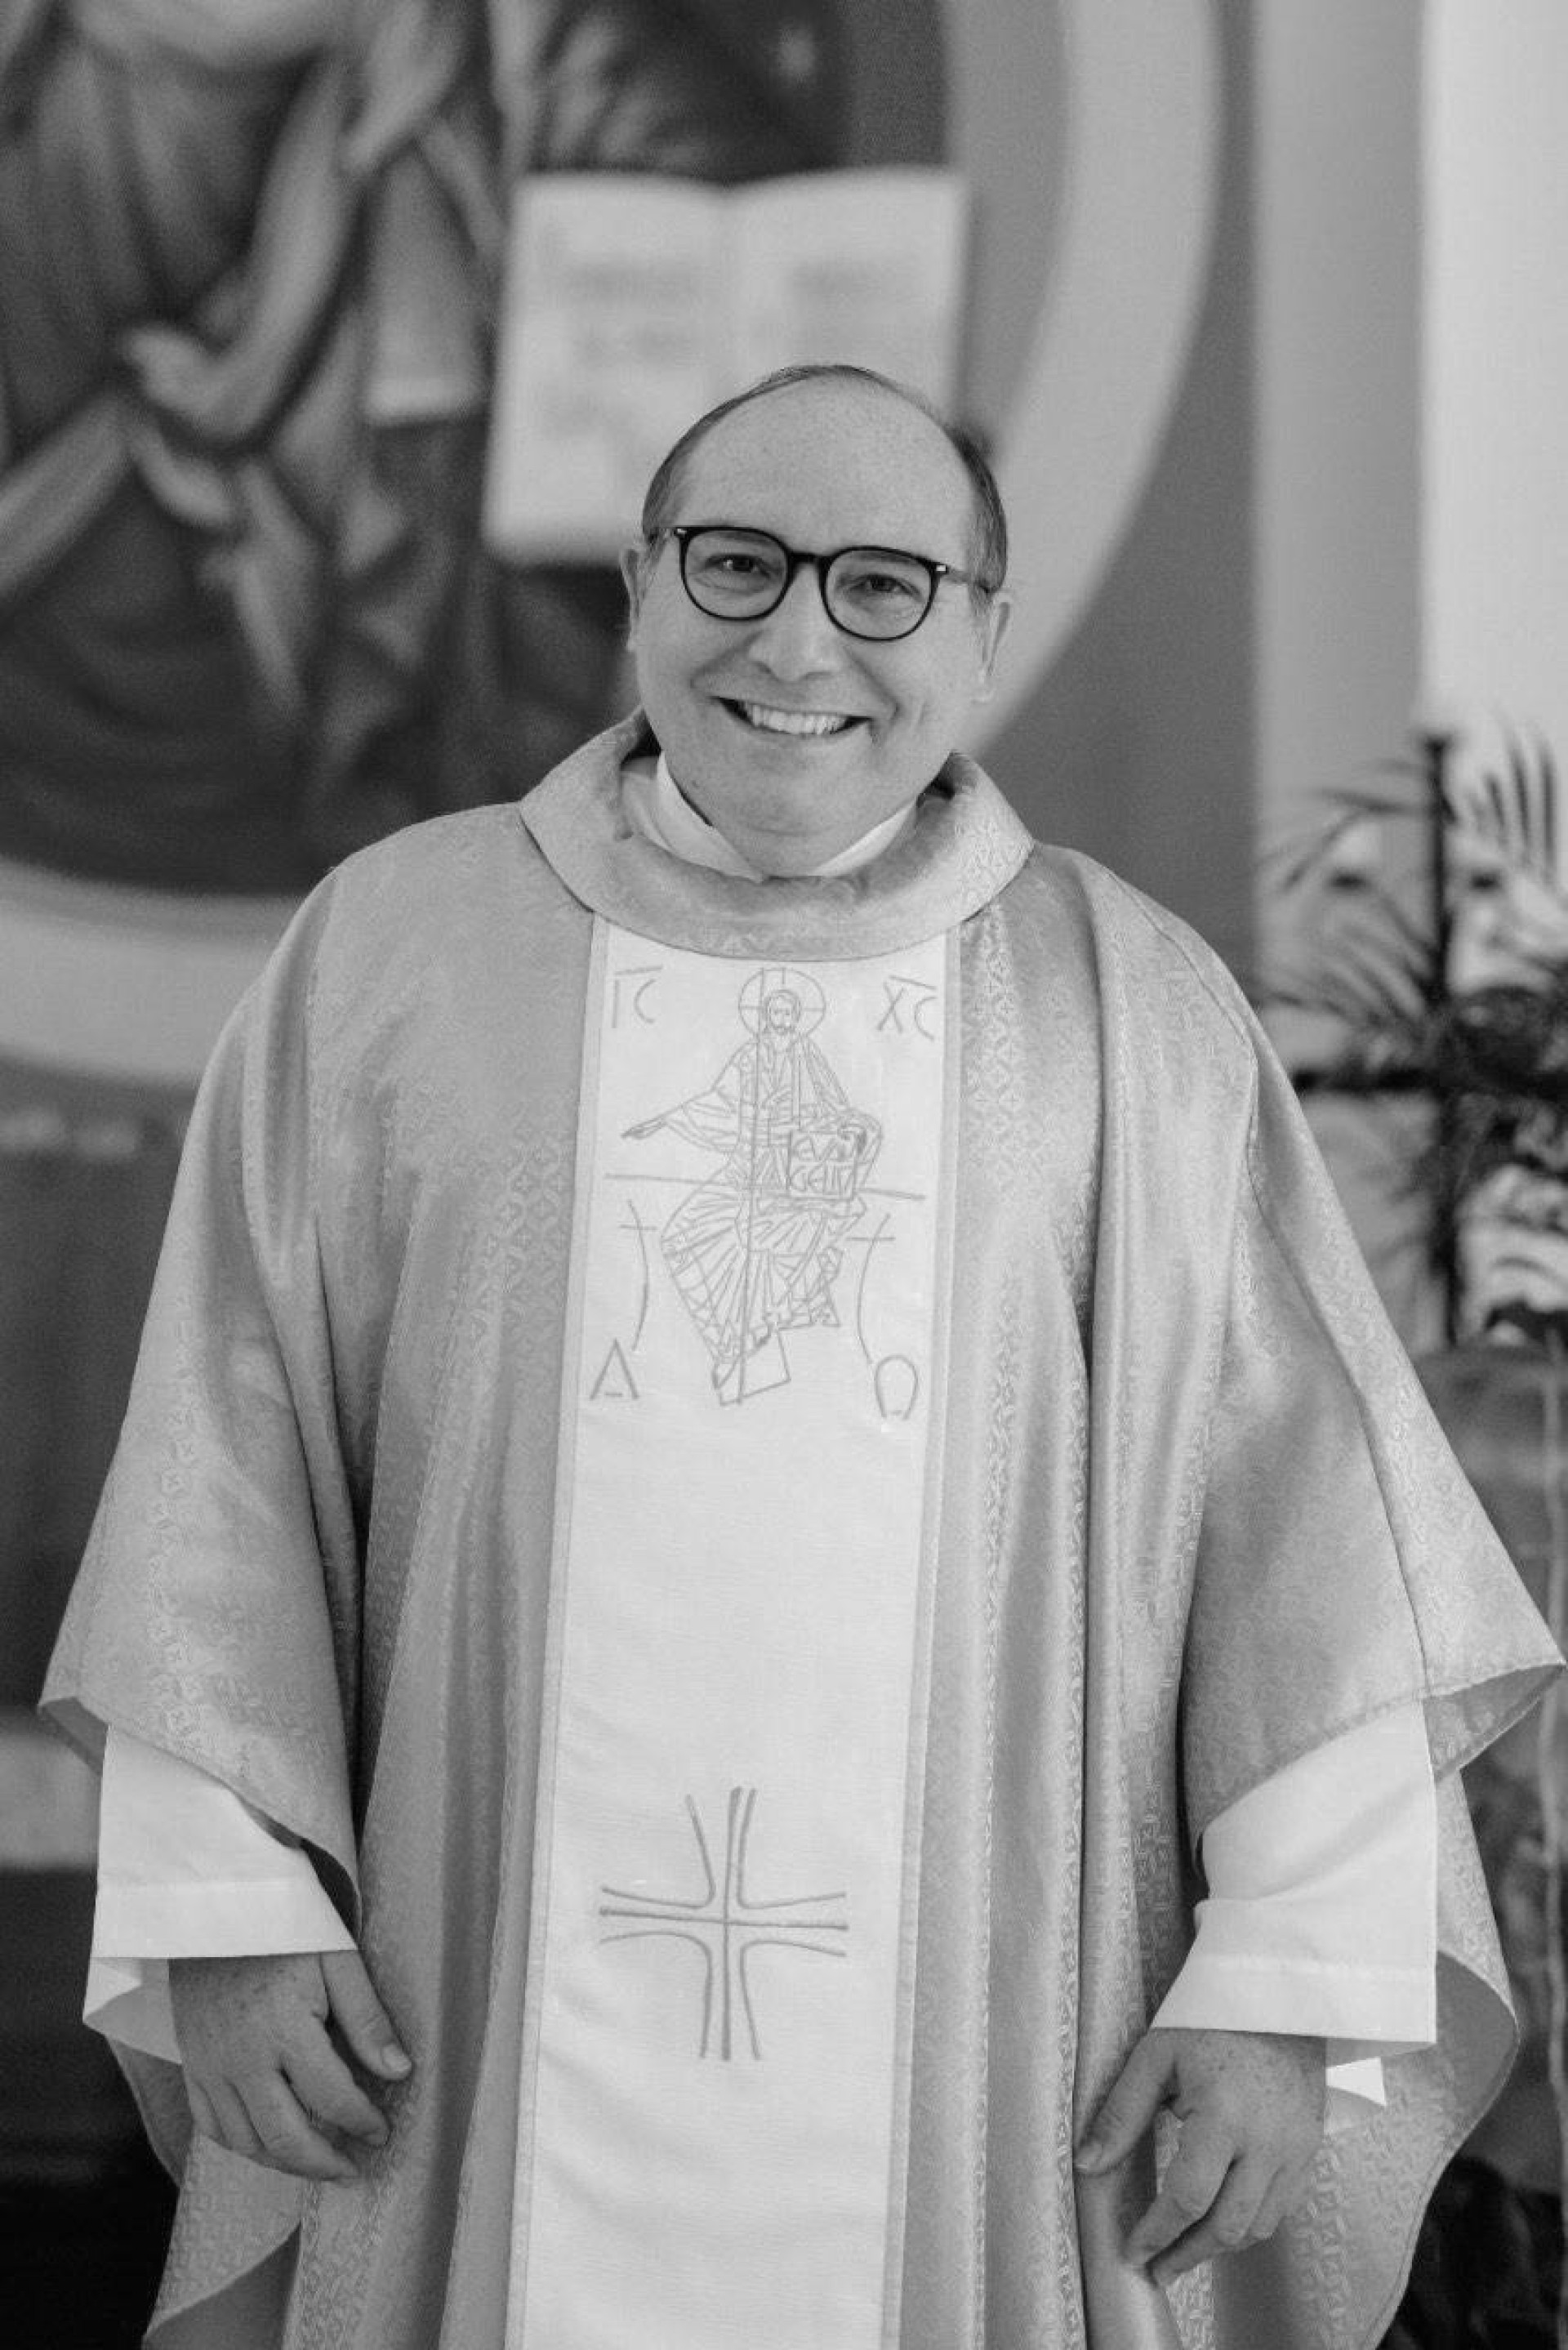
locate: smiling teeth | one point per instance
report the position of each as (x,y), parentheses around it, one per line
(793,722)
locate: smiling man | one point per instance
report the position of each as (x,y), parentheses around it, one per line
(804,695)
(771,1572)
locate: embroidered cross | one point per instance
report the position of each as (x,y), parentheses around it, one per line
(726,1925)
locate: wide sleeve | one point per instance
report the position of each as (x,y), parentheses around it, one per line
(1321,1914)
(1321,1911)
(215,1614)
(185,1869)
(1344,1565)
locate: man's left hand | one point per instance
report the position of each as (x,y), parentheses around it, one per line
(1251,2106)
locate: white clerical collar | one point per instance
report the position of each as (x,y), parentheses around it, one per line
(660,811)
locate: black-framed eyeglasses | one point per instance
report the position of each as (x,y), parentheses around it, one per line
(735,573)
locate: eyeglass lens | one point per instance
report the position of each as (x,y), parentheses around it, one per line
(740,575)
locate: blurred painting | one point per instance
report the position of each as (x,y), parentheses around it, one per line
(635,303)
(249,299)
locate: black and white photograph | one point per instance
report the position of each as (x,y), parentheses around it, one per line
(784,1175)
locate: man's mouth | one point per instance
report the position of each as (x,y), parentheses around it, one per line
(767,720)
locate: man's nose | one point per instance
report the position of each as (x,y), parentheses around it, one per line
(797,639)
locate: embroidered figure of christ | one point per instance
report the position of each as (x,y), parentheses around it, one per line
(727,1926)
(754,1250)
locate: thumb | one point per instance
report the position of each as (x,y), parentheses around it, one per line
(360,2015)
(1129,2107)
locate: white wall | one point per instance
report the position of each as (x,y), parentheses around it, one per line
(1495,574)
(1410,510)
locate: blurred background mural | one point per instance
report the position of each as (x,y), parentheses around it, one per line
(1261,317)
(250,296)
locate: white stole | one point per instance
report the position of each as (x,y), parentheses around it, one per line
(714,2119)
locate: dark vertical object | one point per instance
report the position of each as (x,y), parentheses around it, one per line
(1435,747)
(85,2209)
(81,1212)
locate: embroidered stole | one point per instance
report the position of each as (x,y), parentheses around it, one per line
(714,2115)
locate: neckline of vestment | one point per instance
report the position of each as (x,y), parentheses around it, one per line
(963,847)
(658,807)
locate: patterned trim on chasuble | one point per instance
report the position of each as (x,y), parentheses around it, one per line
(716,2048)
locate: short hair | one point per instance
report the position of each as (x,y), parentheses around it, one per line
(988,536)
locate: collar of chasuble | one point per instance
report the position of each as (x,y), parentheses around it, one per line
(963,847)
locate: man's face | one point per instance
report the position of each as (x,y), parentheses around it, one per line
(822,466)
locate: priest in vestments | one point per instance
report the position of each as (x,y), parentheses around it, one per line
(780,1648)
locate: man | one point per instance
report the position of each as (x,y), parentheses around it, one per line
(763,1816)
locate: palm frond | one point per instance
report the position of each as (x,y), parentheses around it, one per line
(1415,937)
(1372,1017)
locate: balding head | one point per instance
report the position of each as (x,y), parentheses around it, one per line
(987,551)
(807,634)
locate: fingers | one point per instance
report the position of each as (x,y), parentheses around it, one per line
(1279,2201)
(1129,2106)
(287,2138)
(263,2076)
(262,2118)
(201,2113)
(1252,2202)
(328,2089)
(1251,2110)
(1254,2195)
(219,2114)
(1230,2221)
(1189,2196)
(366,2026)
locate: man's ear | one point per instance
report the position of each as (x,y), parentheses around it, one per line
(996,620)
(632,562)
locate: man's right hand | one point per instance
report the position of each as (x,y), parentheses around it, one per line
(266,2044)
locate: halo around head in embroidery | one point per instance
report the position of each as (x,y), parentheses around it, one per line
(758,1009)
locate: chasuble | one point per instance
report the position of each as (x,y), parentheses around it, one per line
(748,1470)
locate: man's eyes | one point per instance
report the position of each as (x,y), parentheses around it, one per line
(882,588)
(736,565)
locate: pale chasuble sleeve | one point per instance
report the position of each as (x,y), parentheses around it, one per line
(209,1617)
(1336,1524)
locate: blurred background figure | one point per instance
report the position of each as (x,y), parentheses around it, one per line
(248,294)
